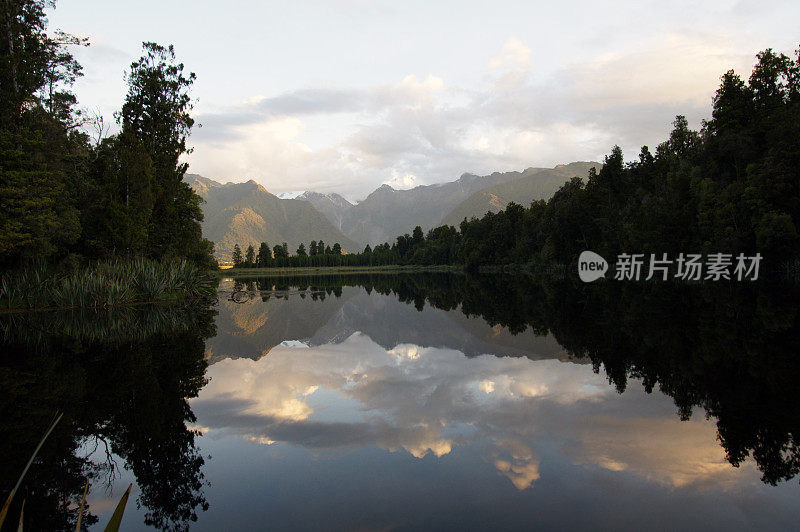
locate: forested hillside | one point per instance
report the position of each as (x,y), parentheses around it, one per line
(68,196)
(535,184)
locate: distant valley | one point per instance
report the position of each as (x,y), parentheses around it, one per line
(246,213)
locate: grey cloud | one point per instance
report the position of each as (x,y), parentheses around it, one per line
(314,101)
(222,126)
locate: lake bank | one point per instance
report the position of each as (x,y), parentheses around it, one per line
(332,270)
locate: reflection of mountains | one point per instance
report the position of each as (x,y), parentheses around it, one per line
(253,328)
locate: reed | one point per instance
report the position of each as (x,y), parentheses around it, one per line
(105,285)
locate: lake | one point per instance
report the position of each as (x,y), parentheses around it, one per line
(400,402)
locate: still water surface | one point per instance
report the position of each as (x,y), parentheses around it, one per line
(399,403)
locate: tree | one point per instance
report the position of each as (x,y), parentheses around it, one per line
(250,255)
(38,185)
(337,249)
(33,215)
(301,250)
(237,256)
(156,114)
(279,252)
(264,255)
(312,248)
(116,215)
(417,238)
(320,247)
(26,55)
(61,71)
(123,196)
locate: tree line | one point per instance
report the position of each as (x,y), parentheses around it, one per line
(731,187)
(318,254)
(408,249)
(70,196)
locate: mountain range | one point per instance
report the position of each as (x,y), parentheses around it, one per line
(247,213)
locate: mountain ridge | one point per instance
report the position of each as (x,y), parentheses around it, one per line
(387,213)
(538,185)
(247,213)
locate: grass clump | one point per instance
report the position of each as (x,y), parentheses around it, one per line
(105,285)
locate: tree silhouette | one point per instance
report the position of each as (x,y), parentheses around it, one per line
(236,257)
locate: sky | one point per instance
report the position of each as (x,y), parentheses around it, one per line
(344,95)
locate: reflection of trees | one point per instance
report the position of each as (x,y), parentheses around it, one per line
(120,380)
(733,350)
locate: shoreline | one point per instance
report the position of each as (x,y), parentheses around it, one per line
(331,270)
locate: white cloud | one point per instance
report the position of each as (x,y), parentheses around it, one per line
(514,53)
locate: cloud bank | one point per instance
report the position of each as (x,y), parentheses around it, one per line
(423,129)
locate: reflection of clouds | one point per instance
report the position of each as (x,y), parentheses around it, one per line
(408,351)
(516,460)
(692,455)
(424,400)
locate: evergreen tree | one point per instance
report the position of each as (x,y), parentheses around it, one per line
(237,256)
(116,216)
(312,248)
(156,115)
(301,250)
(279,252)
(38,190)
(337,249)
(122,196)
(417,238)
(264,255)
(250,256)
